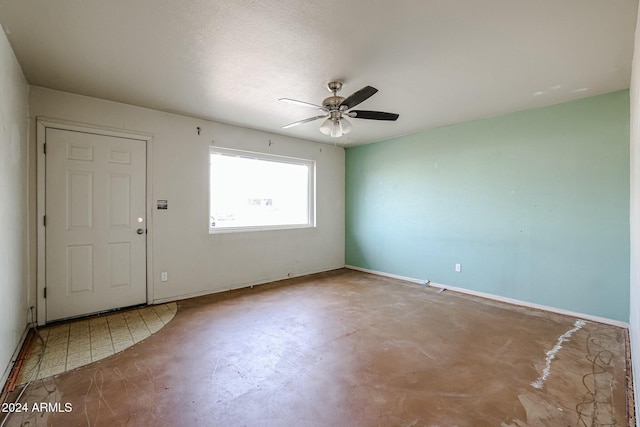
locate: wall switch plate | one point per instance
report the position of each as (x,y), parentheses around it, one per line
(164,276)
(458,268)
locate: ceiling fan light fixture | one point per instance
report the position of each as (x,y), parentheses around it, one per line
(345,125)
(332,127)
(336,129)
(326,127)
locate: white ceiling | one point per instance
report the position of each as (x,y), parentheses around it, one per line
(435,62)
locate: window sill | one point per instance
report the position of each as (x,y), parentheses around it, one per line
(225,230)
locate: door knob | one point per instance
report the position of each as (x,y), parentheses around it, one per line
(140,231)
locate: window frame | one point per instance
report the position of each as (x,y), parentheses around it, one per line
(311,182)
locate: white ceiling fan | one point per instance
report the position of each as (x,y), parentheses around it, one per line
(336,109)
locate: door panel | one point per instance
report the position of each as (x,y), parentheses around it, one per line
(119,264)
(119,201)
(95,202)
(79,200)
(79,269)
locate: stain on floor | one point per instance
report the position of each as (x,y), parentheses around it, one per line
(346,348)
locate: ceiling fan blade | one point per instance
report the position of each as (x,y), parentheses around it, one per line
(303,104)
(372,115)
(357,97)
(300,122)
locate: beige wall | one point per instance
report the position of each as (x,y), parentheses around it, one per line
(634,312)
(197,262)
(14,312)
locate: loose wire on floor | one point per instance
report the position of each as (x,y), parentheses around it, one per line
(593,402)
(33,374)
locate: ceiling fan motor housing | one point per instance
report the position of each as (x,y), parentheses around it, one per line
(332,102)
(334,87)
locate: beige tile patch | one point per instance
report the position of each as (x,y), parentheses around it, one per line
(99,355)
(122,345)
(78,343)
(120,334)
(79,357)
(57,363)
(78,347)
(77,363)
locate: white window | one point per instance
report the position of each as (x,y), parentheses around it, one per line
(250,191)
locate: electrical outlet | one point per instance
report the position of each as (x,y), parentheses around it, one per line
(164,276)
(458,268)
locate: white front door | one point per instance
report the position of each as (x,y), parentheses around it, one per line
(95,223)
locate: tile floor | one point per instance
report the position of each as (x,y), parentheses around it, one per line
(73,344)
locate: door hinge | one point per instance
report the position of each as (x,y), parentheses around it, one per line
(44,148)
(44,220)
(45,293)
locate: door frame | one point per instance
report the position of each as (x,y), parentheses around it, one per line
(44,123)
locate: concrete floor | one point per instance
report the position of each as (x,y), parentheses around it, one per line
(346,348)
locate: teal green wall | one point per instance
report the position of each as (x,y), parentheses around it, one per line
(534,205)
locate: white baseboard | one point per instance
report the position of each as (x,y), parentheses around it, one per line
(238,286)
(494,297)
